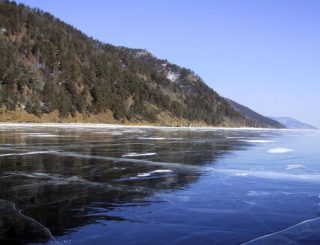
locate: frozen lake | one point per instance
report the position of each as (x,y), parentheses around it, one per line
(122,185)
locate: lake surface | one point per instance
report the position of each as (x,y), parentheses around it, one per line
(121,185)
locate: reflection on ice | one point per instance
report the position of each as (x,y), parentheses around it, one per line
(15,226)
(31,181)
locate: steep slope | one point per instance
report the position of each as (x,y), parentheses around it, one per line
(292,123)
(253,116)
(49,71)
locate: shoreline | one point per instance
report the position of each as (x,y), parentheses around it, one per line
(105,125)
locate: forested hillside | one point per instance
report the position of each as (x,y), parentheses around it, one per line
(53,72)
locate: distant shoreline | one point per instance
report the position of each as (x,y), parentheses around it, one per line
(103,125)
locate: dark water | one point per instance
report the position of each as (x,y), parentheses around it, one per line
(158,186)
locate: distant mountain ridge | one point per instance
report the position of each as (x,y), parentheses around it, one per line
(52,72)
(261,121)
(292,123)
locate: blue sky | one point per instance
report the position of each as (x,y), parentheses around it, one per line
(263,54)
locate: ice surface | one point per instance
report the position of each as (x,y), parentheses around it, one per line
(204,185)
(128,160)
(306,232)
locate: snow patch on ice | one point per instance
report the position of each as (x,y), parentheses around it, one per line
(258,193)
(235,137)
(45,135)
(250,203)
(258,141)
(38,135)
(151,138)
(158,171)
(241,174)
(158,138)
(27,153)
(162,171)
(269,174)
(293,166)
(117,133)
(144,175)
(133,154)
(279,150)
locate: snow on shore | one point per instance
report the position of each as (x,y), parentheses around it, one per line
(109,126)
